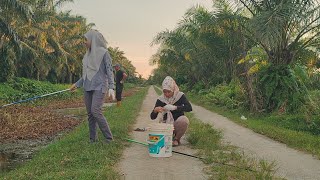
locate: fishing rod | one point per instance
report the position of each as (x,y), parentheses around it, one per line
(145,144)
(33,98)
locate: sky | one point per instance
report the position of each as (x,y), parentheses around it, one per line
(131,25)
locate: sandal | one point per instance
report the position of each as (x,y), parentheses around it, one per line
(175,143)
(140,129)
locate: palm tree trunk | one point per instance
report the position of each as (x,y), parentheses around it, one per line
(254,105)
(1,42)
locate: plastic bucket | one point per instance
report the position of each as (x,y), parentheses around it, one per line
(160,140)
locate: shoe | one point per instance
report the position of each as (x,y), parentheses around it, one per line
(108,141)
(140,129)
(92,141)
(118,103)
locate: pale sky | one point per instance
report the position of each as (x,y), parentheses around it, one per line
(131,25)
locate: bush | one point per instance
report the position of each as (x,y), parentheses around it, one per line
(231,96)
(282,88)
(198,87)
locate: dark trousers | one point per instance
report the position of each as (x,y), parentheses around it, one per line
(94,101)
(119,88)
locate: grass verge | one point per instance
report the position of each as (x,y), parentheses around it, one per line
(224,161)
(73,157)
(300,140)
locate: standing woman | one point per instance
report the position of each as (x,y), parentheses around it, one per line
(172,104)
(96,79)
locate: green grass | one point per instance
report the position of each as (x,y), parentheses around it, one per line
(157,90)
(73,157)
(267,126)
(225,162)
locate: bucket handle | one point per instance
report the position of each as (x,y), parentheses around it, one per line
(154,143)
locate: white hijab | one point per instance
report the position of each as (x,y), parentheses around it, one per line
(94,55)
(169,84)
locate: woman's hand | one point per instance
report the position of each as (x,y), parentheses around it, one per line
(111,94)
(170,107)
(158,109)
(73,87)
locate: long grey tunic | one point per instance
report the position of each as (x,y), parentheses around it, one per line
(103,80)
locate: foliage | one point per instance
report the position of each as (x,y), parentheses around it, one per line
(283,89)
(6,61)
(231,96)
(48,43)
(265,44)
(203,48)
(21,88)
(296,123)
(256,57)
(282,28)
(118,57)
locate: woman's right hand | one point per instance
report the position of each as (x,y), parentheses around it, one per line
(158,109)
(73,87)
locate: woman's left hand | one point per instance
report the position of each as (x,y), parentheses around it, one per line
(111,93)
(73,87)
(170,107)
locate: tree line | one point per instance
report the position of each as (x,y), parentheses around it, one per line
(268,48)
(38,41)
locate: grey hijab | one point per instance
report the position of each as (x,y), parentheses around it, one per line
(94,55)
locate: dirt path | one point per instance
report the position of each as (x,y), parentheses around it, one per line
(137,164)
(292,164)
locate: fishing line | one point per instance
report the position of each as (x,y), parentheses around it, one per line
(189,155)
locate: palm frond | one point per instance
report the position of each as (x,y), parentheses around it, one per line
(60,3)
(7,31)
(21,8)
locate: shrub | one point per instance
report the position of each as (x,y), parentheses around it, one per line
(231,95)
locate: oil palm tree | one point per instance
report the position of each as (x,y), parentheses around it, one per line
(118,57)
(283,29)
(203,42)
(11,11)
